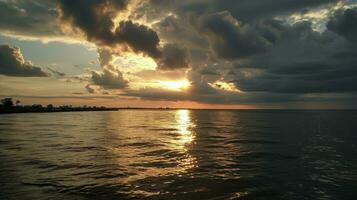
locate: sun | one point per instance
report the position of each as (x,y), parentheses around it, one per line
(175,85)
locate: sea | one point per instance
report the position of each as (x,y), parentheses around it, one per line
(179,154)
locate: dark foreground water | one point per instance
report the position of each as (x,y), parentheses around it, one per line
(179,154)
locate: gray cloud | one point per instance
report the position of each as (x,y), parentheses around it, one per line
(345,23)
(271,61)
(90,89)
(139,37)
(248,10)
(105,57)
(109,79)
(177,29)
(245,10)
(229,38)
(173,57)
(29,18)
(302,61)
(95,19)
(55,72)
(298,62)
(12,63)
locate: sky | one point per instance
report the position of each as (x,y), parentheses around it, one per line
(231,54)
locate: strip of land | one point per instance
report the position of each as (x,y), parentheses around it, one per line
(57,109)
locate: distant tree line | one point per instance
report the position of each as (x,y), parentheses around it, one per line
(8,106)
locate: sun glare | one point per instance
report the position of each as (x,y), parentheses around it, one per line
(175,85)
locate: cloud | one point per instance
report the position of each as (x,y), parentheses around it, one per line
(57,73)
(270,60)
(248,10)
(344,23)
(301,61)
(244,10)
(29,18)
(259,46)
(229,38)
(12,63)
(92,62)
(109,79)
(138,37)
(90,89)
(95,19)
(160,74)
(105,56)
(177,29)
(174,57)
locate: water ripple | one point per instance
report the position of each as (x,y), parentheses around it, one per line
(179,154)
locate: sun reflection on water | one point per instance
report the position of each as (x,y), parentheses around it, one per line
(144,151)
(184,127)
(185,138)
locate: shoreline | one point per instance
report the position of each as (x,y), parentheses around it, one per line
(18,111)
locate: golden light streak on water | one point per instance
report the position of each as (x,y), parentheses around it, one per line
(184,127)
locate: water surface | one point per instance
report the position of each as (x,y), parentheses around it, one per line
(179,154)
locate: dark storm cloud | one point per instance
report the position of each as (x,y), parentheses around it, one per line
(345,24)
(173,57)
(177,29)
(200,82)
(139,37)
(109,79)
(95,19)
(302,61)
(210,70)
(268,59)
(229,38)
(245,10)
(12,63)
